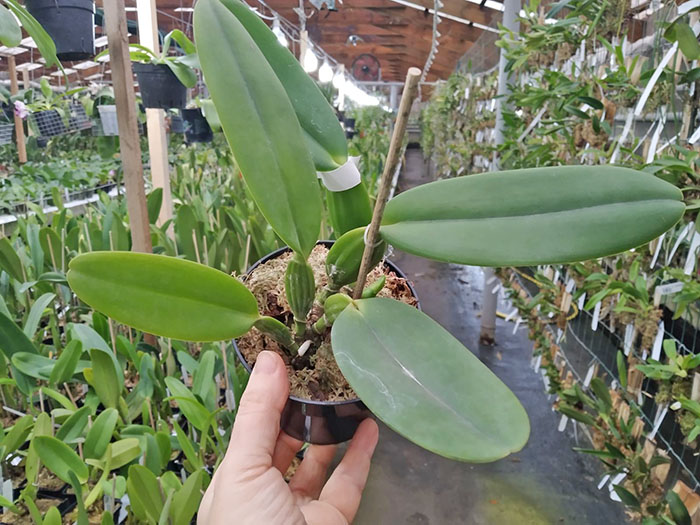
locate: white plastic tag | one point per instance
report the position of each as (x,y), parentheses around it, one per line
(343,178)
(692,254)
(658,340)
(596,315)
(629,333)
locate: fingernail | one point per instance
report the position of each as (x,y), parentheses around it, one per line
(266,363)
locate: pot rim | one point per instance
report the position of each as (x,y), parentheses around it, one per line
(327,243)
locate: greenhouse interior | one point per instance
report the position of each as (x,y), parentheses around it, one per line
(321,262)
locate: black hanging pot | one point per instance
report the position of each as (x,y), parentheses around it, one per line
(321,422)
(349,124)
(159,86)
(69,23)
(196,126)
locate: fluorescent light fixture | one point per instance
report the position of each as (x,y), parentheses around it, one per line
(310,61)
(442,14)
(184,9)
(131,9)
(325,73)
(360,97)
(491,4)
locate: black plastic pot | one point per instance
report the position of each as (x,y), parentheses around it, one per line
(69,23)
(159,86)
(321,422)
(196,126)
(49,123)
(177,125)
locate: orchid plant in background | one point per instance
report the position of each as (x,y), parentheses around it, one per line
(410,372)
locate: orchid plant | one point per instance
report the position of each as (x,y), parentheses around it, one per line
(409,371)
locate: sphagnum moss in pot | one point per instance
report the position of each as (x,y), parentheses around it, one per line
(408,370)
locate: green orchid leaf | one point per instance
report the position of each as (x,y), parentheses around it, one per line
(16,436)
(144,494)
(72,428)
(424,384)
(187,499)
(100,434)
(67,362)
(163,295)
(261,126)
(60,459)
(9,260)
(10,32)
(33,365)
(194,411)
(532,216)
(125,451)
(12,339)
(154,202)
(184,74)
(36,313)
(187,448)
(678,509)
(105,379)
(41,38)
(322,131)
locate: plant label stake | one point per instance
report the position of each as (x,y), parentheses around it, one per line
(409,94)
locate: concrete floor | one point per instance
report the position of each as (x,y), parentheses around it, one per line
(545,483)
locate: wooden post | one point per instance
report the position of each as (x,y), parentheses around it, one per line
(19,124)
(123,83)
(155,118)
(410,89)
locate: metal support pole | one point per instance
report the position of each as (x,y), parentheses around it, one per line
(394,97)
(490,300)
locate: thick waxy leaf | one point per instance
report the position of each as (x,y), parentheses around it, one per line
(533,216)
(12,339)
(187,498)
(9,260)
(424,384)
(260,125)
(106,380)
(66,363)
(10,32)
(33,365)
(60,459)
(194,411)
(163,295)
(144,493)
(36,313)
(322,131)
(100,434)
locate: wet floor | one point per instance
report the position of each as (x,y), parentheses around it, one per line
(546,483)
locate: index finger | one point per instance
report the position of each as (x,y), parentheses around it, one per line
(257,425)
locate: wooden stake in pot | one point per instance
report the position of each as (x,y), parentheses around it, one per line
(409,94)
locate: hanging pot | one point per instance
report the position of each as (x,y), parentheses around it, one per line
(320,422)
(159,87)
(69,23)
(196,126)
(108,117)
(49,123)
(6,133)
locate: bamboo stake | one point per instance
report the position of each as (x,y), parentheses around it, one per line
(19,125)
(410,90)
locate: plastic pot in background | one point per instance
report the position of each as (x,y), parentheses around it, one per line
(49,123)
(108,117)
(321,422)
(69,23)
(349,125)
(159,87)
(6,133)
(177,125)
(196,126)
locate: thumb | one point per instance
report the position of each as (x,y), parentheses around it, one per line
(257,424)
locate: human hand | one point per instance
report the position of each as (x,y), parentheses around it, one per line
(249,487)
